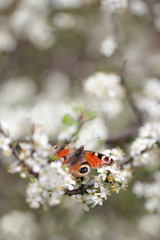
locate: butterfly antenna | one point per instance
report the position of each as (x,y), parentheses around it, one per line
(92,140)
(79,140)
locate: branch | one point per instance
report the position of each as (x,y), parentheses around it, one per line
(25,165)
(22,161)
(125,134)
(82,189)
(129,158)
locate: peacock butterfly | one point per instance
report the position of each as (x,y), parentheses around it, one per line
(80,161)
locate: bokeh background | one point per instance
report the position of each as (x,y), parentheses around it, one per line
(47,50)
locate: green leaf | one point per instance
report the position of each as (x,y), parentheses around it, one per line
(53,158)
(91,115)
(78,109)
(67,120)
(32,180)
(15,144)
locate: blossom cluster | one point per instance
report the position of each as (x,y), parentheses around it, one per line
(150,191)
(150,99)
(108,46)
(109,178)
(25,226)
(49,188)
(4,141)
(49,179)
(114,5)
(148,139)
(107,88)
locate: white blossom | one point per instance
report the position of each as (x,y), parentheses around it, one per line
(62,4)
(150,100)
(67,132)
(104,86)
(138,7)
(18,89)
(18,225)
(4,139)
(108,46)
(49,188)
(112,107)
(92,130)
(7,42)
(151,193)
(115,153)
(64,21)
(138,189)
(140,144)
(114,5)
(150,225)
(149,135)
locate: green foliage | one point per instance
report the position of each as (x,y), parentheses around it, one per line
(53,158)
(67,120)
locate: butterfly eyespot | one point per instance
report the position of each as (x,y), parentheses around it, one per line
(107,161)
(84,170)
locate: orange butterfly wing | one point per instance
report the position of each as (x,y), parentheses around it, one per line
(95,161)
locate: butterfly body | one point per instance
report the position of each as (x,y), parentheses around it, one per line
(80,161)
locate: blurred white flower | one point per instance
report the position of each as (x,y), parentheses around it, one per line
(150,225)
(138,7)
(18,225)
(7,42)
(56,85)
(4,144)
(15,118)
(115,153)
(108,46)
(91,131)
(31,23)
(138,189)
(67,133)
(17,90)
(61,4)
(150,130)
(40,139)
(114,4)
(41,34)
(151,193)
(104,85)
(64,21)
(20,20)
(150,101)
(145,159)
(149,135)
(49,188)
(112,107)
(49,114)
(150,106)
(141,144)
(37,163)
(151,88)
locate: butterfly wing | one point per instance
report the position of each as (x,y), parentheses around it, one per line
(97,160)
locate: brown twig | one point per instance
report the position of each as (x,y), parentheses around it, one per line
(82,189)
(129,158)
(124,135)
(25,165)
(22,161)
